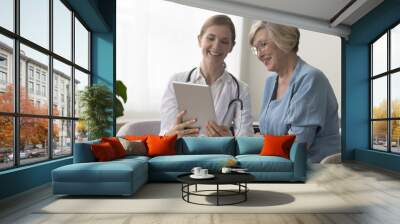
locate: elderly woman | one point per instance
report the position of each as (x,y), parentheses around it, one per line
(231,96)
(298,98)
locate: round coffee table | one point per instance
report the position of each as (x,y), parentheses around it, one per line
(238,179)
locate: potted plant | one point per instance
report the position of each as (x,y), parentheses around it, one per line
(96,103)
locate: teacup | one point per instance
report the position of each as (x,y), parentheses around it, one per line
(203,172)
(196,170)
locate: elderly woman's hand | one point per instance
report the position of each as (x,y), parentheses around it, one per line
(214,130)
(183,128)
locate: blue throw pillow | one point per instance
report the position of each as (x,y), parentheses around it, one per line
(206,145)
(249,145)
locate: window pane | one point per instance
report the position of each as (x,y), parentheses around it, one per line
(81,45)
(35,21)
(395,94)
(33,139)
(395,136)
(395,47)
(81,131)
(7,14)
(34,81)
(81,81)
(379,98)
(62,136)
(379,55)
(6,142)
(379,135)
(6,74)
(62,29)
(62,91)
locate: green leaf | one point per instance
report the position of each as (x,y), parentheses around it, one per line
(120,90)
(118,107)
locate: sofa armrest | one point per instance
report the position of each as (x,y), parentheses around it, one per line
(298,156)
(83,152)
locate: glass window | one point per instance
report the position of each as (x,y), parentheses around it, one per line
(3,78)
(34,78)
(62,29)
(62,72)
(7,14)
(395,47)
(6,142)
(30,71)
(395,95)
(35,21)
(37,89)
(395,136)
(33,140)
(81,81)
(3,60)
(62,138)
(379,135)
(6,74)
(81,131)
(30,87)
(40,62)
(81,45)
(385,125)
(379,99)
(379,55)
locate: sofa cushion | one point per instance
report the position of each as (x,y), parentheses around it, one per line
(116,145)
(277,145)
(161,145)
(185,163)
(206,145)
(134,147)
(103,152)
(111,171)
(249,145)
(257,163)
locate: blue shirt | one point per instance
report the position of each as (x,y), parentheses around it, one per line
(308,109)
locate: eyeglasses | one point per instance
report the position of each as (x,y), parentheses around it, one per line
(259,47)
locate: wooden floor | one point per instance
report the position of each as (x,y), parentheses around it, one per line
(377,188)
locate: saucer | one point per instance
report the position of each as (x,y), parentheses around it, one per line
(208,176)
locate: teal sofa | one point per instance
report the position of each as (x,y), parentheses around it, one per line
(125,176)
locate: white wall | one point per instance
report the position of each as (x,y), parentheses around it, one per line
(320,50)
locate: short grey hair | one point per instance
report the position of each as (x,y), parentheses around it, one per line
(285,37)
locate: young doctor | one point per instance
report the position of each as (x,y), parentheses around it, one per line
(231,96)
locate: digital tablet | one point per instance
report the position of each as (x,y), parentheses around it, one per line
(197,100)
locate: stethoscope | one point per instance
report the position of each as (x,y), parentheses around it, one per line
(237,99)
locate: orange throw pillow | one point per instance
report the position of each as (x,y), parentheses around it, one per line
(103,151)
(278,145)
(116,145)
(161,145)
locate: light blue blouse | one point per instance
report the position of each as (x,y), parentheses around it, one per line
(308,109)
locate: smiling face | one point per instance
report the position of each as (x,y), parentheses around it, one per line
(215,43)
(267,51)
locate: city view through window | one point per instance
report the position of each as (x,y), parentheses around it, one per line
(385,82)
(32,130)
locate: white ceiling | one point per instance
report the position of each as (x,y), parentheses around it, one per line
(316,15)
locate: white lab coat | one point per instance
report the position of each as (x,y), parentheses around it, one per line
(223,90)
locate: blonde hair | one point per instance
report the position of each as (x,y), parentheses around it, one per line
(285,37)
(221,20)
